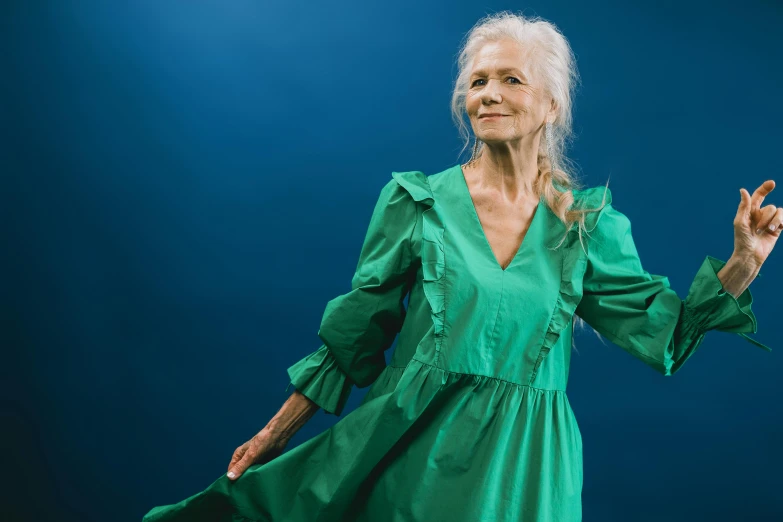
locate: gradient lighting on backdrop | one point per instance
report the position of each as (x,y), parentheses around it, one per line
(186,184)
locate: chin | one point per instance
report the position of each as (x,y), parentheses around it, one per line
(494,137)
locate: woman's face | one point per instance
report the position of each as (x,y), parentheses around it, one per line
(497,85)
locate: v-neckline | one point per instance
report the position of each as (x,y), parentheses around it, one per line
(472,205)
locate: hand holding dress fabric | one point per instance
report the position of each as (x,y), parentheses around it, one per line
(263,447)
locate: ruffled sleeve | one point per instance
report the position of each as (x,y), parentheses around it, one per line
(318,377)
(357,327)
(639,311)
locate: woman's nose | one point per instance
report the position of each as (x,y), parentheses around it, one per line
(491,90)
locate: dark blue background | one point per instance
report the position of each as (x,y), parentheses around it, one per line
(186,184)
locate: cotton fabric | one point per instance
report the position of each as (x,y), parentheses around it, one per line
(470,419)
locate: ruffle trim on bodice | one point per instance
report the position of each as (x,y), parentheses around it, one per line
(433,258)
(574,262)
(433,254)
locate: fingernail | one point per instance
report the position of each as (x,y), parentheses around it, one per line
(231,474)
(772,227)
(758,231)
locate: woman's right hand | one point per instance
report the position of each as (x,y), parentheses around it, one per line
(270,442)
(263,447)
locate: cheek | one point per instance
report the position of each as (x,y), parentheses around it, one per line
(526,103)
(524,98)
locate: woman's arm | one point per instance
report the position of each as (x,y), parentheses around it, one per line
(270,442)
(642,314)
(358,326)
(294,414)
(737,274)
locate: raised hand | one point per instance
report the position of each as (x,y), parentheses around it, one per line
(749,244)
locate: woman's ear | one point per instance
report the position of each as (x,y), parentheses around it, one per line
(552,114)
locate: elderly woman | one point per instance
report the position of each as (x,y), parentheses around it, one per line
(470,420)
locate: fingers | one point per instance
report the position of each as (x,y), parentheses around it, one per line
(238,453)
(245,462)
(235,459)
(744,208)
(772,221)
(763,218)
(251,451)
(262,448)
(760,193)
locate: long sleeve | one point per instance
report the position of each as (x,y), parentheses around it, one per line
(359,326)
(639,311)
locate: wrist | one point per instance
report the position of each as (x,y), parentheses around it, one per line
(747,261)
(737,274)
(295,412)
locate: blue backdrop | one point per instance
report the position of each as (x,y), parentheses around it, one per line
(186,184)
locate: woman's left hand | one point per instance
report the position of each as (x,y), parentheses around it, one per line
(749,244)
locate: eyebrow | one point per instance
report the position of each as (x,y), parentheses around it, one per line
(502,70)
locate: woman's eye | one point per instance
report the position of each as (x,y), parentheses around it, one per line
(518,82)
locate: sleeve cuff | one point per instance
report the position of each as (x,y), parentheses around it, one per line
(709,306)
(318,377)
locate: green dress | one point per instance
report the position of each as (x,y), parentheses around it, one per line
(470,420)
